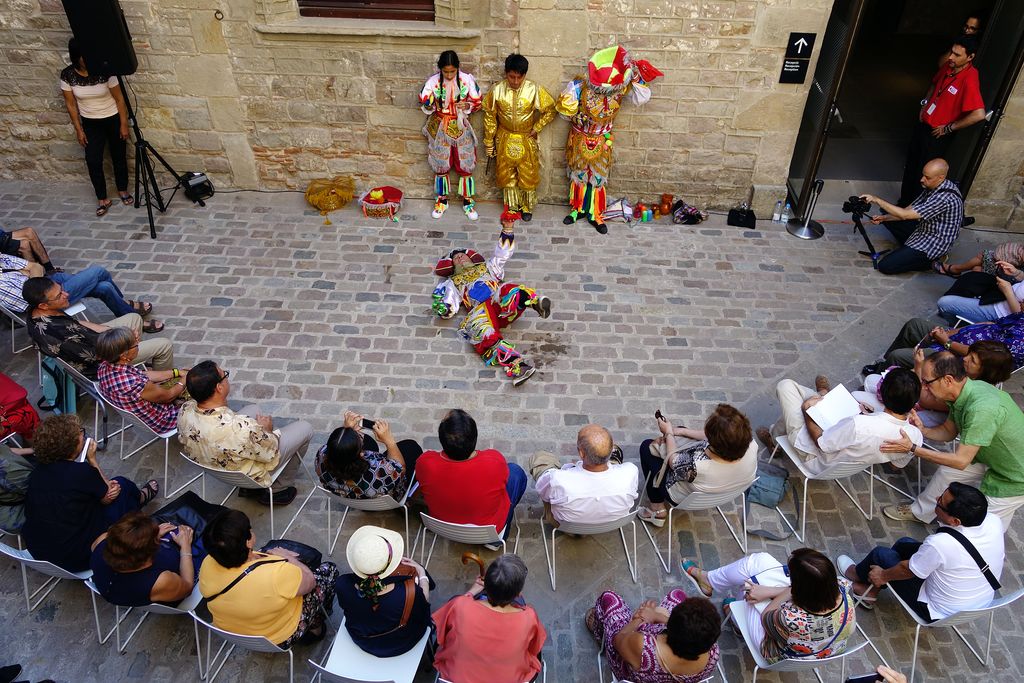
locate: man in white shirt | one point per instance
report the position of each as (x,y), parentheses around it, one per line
(938,577)
(593,489)
(856,438)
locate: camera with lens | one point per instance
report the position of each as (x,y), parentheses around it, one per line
(856,205)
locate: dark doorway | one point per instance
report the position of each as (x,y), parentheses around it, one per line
(876,63)
(895,54)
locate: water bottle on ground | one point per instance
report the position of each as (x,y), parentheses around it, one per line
(786,213)
(777,215)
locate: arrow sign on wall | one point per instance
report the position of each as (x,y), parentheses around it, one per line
(800,45)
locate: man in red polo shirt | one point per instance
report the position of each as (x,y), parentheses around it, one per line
(953,103)
(465,486)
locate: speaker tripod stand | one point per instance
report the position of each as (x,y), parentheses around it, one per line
(145,176)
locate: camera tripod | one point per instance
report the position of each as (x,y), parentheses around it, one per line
(858,225)
(145,175)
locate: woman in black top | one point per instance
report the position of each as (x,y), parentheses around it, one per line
(68,503)
(386,598)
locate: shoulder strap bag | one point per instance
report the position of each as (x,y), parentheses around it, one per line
(975,555)
(240,577)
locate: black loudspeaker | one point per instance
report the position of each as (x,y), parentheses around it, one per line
(101,29)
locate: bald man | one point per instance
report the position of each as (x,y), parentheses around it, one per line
(927,228)
(596,488)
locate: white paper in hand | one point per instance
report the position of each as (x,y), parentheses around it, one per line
(837,405)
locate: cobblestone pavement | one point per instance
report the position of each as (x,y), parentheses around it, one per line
(312,319)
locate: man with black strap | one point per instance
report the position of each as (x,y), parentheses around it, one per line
(953,103)
(927,228)
(952,570)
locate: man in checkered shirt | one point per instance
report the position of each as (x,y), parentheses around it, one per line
(928,227)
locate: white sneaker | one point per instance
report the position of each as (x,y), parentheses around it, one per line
(470,210)
(439,209)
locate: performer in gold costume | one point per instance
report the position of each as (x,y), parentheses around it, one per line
(515,111)
(591,104)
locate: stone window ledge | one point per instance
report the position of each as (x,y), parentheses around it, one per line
(364,27)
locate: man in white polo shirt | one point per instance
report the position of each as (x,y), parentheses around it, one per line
(593,489)
(854,439)
(938,577)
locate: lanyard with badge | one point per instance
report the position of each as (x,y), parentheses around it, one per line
(945,86)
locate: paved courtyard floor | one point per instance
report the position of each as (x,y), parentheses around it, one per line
(312,319)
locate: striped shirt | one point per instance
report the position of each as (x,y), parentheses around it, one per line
(122,385)
(942,215)
(12,282)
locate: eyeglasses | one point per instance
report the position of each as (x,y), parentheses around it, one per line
(224,376)
(63,292)
(940,506)
(927,382)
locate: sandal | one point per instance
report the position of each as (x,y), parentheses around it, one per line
(651,517)
(703,586)
(127,199)
(152,326)
(143,308)
(944,269)
(149,492)
(102,209)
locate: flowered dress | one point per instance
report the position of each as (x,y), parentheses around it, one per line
(793,633)
(613,613)
(1009,329)
(383,477)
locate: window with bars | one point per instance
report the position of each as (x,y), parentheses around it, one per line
(409,10)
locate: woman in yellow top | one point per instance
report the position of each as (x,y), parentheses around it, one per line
(266,593)
(515,111)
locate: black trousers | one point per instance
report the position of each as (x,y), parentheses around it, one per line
(409,449)
(100,133)
(923,148)
(903,259)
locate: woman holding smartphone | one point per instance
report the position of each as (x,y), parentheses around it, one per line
(352,465)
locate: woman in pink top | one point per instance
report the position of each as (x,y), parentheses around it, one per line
(489,634)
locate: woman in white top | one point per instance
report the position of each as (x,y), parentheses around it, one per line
(720,457)
(99,115)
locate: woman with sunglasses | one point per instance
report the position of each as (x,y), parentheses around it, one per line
(352,465)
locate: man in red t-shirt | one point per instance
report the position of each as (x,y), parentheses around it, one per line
(465,486)
(953,102)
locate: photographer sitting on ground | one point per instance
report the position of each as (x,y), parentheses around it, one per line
(927,228)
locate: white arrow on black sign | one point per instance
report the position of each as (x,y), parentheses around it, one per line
(800,45)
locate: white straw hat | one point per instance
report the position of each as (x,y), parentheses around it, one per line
(374,550)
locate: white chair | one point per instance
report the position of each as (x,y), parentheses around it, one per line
(378,504)
(739,610)
(460,533)
(542,676)
(55,574)
(699,500)
(584,529)
(841,470)
(157,436)
(186,607)
(251,643)
(957,619)
(241,480)
(600,671)
(344,662)
(92,389)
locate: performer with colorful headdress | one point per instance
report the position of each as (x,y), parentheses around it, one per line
(448,98)
(491,304)
(515,111)
(591,104)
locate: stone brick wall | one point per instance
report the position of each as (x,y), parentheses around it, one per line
(264,98)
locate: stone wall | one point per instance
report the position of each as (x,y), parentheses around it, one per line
(265,99)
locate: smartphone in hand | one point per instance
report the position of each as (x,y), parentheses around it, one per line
(85,449)
(866,678)
(658,415)
(368,424)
